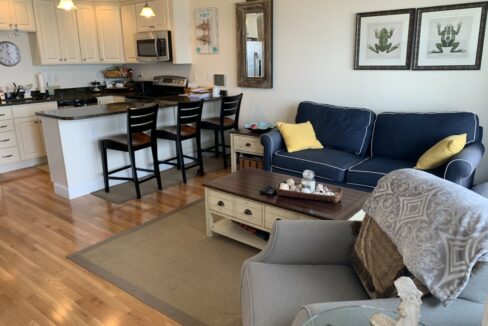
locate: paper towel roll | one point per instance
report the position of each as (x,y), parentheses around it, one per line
(41,86)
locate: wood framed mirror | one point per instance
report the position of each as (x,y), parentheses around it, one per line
(255,44)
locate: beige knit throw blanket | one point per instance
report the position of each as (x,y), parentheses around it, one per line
(439,228)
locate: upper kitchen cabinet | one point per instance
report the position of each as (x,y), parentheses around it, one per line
(129,29)
(87,31)
(110,38)
(68,36)
(17,15)
(57,34)
(157,23)
(46,41)
(181,32)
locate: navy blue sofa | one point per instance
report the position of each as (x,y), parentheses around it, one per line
(361,147)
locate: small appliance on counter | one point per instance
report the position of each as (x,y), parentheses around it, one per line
(95,86)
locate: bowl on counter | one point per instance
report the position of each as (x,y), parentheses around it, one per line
(259,127)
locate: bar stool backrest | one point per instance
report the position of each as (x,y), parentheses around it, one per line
(230,105)
(190,113)
(142,120)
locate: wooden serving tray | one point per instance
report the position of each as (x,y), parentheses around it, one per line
(300,195)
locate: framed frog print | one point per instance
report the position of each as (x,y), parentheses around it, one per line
(450,37)
(384,40)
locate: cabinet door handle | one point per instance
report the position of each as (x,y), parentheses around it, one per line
(84,59)
(4,140)
(248,212)
(2,115)
(7,156)
(221,203)
(248,144)
(60,59)
(5,126)
(64,59)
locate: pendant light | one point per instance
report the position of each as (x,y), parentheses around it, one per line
(147,11)
(66,5)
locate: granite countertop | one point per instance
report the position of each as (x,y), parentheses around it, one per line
(95,111)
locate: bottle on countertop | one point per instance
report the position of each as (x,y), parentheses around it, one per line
(2,94)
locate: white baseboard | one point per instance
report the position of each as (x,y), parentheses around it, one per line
(22,164)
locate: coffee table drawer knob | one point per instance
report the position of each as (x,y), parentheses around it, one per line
(248,144)
(248,212)
(221,203)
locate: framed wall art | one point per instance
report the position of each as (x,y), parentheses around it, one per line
(207,31)
(384,40)
(450,37)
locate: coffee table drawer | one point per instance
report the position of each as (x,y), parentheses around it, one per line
(220,202)
(249,211)
(305,217)
(248,144)
(271,214)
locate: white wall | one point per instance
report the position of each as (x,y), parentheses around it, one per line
(25,71)
(313,60)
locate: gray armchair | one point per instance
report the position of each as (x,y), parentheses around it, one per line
(305,269)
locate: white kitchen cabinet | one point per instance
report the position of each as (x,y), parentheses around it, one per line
(110,99)
(29,137)
(157,23)
(57,34)
(17,15)
(47,37)
(110,40)
(22,15)
(68,36)
(87,31)
(129,30)
(179,12)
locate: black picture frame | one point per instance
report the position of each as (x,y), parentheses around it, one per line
(408,44)
(420,32)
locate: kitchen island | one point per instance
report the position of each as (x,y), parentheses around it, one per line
(72,142)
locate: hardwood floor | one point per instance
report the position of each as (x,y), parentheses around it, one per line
(38,229)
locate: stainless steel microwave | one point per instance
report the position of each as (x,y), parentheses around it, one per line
(154,46)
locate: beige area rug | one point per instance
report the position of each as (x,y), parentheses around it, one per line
(171,265)
(126,191)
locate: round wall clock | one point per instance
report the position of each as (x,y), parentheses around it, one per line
(9,54)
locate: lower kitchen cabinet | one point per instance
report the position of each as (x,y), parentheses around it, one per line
(29,137)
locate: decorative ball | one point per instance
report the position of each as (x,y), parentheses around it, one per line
(319,187)
(293,188)
(306,191)
(284,186)
(290,182)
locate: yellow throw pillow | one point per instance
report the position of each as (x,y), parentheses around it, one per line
(441,152)
(299,137)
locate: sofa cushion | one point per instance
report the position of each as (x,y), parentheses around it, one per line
(406,136)
(348,129)
(329,164)
(368,172)
(278,291)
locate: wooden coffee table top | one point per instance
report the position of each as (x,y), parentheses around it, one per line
(247,183)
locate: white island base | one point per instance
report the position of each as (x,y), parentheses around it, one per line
(73,150)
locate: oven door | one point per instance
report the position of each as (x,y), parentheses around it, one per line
(153,47)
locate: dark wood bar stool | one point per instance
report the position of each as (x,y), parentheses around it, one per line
(229,106)
(188,122)
(139,122)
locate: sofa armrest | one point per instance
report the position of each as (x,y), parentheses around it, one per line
(309,243)
(463,165)
(272,142)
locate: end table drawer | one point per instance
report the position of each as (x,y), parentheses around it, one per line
(6,125)
(9,155)
(249,211)
(220,202)
(8,139)
(271,214)
(248,144)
